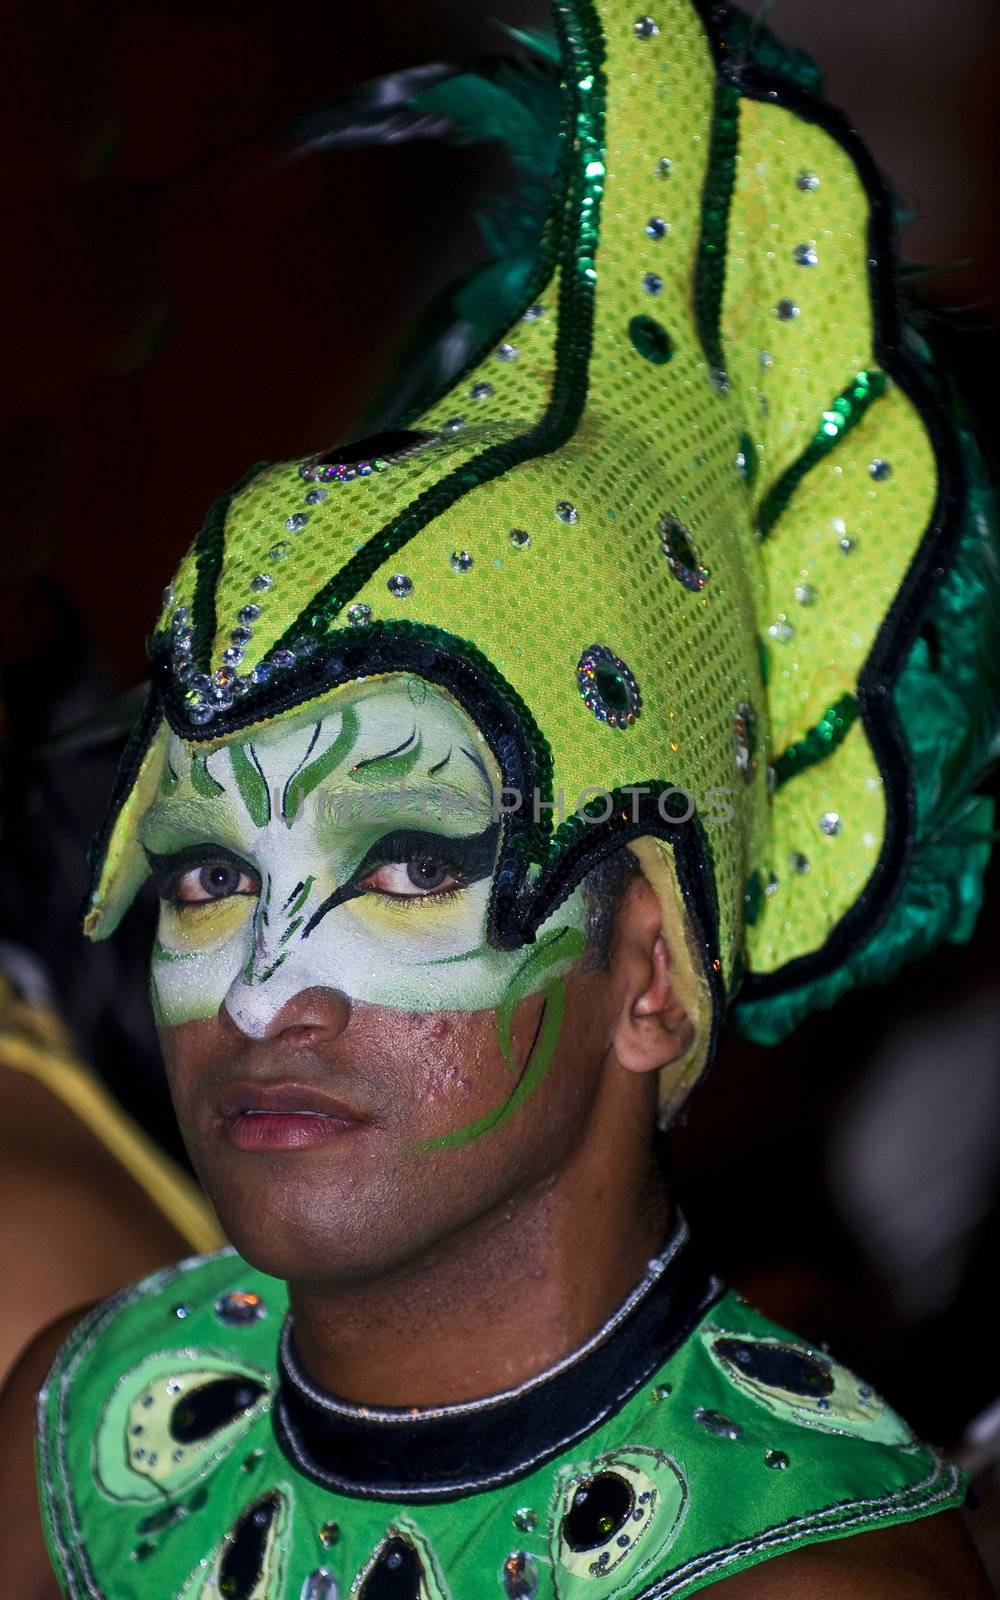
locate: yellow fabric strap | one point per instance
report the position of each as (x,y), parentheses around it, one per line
(33,1041)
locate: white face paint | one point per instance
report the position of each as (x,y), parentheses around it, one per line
(352,847)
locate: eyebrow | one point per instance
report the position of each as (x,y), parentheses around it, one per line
(172,824)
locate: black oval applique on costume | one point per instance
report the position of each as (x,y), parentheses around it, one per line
(396,1575)
(599,1509)
(779,1366)
(203,1411)
(243,1562)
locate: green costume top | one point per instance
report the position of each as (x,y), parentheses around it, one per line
(184,1453)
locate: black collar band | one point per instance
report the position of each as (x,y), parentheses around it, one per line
(447,1452)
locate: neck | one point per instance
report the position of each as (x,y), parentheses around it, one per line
(505,1298)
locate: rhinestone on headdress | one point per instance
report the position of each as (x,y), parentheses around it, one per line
(534,313)
(807,181)
(607,687)
(807,255)
(681,554)
(879,470)
(315,497)
(359,614)
(652,282)
(279,551)
(508,352)
(745,740)
(283,658)
(781,630)
(248,614)
(805,594)
(519,538)
(566,512)
(454,425)
(481,391)
(262,581)
(645,28)
(776,1460)
(664,167)
(786,310)
(297,521)
(461,560)
(830,824)
(525,1520)
(400,585)
(656,228)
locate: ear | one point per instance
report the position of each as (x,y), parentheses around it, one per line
(651,1027)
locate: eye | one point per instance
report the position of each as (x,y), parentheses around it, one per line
(217,880)
(420,877)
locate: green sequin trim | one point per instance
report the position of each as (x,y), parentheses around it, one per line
(820,742)
(583,48)
(710,268)
(844,414)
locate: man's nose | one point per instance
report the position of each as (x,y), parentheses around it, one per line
(310,1016)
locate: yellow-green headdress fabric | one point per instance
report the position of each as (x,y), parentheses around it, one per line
(671,538)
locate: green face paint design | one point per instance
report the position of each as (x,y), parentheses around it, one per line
(352,847)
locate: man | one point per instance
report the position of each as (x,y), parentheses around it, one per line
(483,763)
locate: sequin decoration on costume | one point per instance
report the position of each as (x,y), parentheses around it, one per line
(362,457)
(681,554)
(613,1520)
(320,1585)
(804,1385)
(168,1422)
(400,1569)
(249,1564)
(607,687)
(240,1307)
(519,1578)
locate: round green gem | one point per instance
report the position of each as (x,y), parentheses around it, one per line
(651,339)
(612,688)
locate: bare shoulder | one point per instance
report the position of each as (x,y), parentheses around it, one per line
(23,1558)
(931,1559)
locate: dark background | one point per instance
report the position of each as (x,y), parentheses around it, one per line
(180,301)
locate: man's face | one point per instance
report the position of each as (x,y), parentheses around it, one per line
(358,1073)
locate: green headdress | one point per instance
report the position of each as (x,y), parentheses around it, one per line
(676,538)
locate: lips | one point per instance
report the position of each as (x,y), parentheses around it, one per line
(284,1116)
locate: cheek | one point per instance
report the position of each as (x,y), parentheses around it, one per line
(196,957)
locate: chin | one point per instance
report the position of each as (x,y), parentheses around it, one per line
(315,1236)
